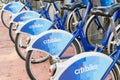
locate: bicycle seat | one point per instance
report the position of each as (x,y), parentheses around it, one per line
(106,11)
(72,6)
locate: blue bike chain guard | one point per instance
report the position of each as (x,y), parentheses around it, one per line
(84,66)
(52,42)
(25,15)
(35,26)
(13,7)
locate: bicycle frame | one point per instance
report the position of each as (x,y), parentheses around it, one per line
(61,26)
(44,10)
(61,21)
(83,60)
(115,56)
(104,42)
(80,33)
(80,59)
(31,24)
(27,3)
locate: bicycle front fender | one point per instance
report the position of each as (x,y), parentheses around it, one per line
(24,16)
(13,7)
(35,26)
(51,42)
(84,66)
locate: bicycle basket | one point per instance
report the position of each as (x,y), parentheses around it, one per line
(51,1)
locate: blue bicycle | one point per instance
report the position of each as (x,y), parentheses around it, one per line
(59,41)
(45,12)
(14,7)
(24,33)
(86,65)
(95,34)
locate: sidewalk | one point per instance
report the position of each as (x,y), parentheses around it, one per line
(11,66)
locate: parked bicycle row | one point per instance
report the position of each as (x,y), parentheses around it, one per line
(80,43)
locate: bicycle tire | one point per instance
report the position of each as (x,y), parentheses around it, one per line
(5,13)
(70,21)
(12,32)
(30,66)
(111,47)
(51,11)
(21,43)
(13,27)
(115,73)
(94,34)
(3,18)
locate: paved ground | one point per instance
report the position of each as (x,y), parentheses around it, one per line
(11,66)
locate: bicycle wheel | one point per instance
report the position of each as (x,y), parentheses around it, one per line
(71,27)
(51,11)
(35,70)
(6,17)
(12,31)
(111,43)
(21,42)
(114,74)
(95,34)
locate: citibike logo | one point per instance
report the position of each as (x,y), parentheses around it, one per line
(36,26)
(83,69)
(13,6)
(51,40)
(26,16)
